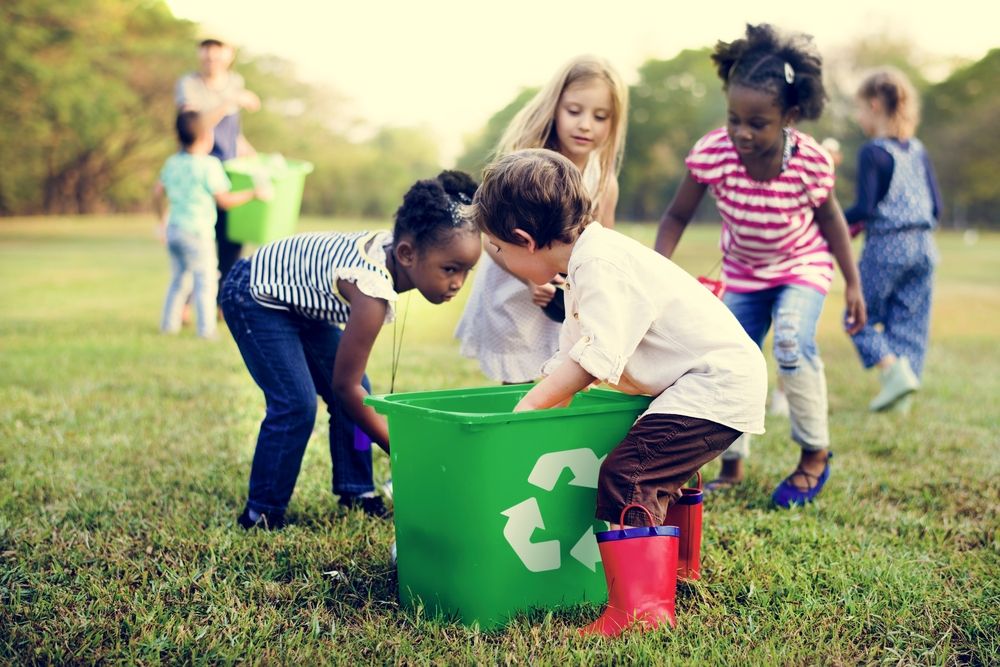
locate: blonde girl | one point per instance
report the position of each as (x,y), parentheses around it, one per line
(897,205)
(581,113)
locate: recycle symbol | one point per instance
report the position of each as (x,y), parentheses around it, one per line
(526,516)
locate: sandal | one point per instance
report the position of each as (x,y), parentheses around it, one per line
(787,494)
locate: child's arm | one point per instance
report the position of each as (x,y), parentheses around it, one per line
(557,389)
(678,215)
(229,199)
(833,226)
(363,326)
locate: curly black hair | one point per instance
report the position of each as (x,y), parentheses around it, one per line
(766,59)
(429,212)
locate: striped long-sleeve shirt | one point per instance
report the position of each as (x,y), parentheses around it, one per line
(300,273)
(769,235)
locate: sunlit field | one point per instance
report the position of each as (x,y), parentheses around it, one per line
(124,457)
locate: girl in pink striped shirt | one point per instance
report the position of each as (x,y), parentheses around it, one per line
(781,230)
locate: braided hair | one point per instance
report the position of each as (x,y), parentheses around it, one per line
(429,213)
(786,65)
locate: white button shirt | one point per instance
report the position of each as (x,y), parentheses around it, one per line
(640,323)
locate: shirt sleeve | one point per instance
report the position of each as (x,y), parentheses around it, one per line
(614,316)
(186,95)
(932,184)
(216,178)
(875,166)
(710,159)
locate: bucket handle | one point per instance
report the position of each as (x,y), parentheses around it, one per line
(621,519)
(698,475)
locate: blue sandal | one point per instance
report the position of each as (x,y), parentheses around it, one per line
(787,494)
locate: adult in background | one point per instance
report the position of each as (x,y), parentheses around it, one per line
(218,94)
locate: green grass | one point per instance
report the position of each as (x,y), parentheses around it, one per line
(124,458)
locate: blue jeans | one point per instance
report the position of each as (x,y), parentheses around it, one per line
(194,255)
(793,310)
(291,357)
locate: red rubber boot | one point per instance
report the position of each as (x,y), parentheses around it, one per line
(640,567)
(686,515)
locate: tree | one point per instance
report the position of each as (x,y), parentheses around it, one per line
(479,149)
(674,103)
(960,130)
(81,77)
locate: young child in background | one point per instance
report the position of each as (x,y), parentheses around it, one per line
(220,95)
(285,306)
(898,202)
(636,321)
(774,189)
(195,186)
(580,113)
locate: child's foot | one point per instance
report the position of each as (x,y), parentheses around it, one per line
(897,381)
(372,505)
(806,481)
(730,475)
(779,403)
(253,519)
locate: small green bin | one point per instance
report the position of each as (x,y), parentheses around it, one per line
(258,221)
(494,511)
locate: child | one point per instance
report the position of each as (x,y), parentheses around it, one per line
(580,113)
(219,94)
(285,306)
(195,186)
(634,320)
(781,222)
(897,204)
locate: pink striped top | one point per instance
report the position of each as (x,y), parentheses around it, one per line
(769,234)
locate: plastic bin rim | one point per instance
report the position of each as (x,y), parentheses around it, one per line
(395,403)
(243,165)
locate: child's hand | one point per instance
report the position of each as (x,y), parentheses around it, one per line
(263,192)
(248,100)
(541,295)
(855,315)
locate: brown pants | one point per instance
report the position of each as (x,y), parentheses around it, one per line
(658,455)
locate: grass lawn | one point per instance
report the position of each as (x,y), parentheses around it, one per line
(124,458)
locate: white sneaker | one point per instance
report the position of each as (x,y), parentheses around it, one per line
(387,488)
(392,553)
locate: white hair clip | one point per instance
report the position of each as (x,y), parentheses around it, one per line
(789,74)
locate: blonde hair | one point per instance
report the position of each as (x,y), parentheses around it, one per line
(534,126)
(898,97)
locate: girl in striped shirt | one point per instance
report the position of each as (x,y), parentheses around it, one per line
(781,230)
(305,312)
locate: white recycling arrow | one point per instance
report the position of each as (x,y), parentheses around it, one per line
(522,520)
(586,550)
(582,462)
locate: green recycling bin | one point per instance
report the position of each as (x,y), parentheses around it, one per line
(258,221)
(494,511)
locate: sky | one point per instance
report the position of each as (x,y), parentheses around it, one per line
(448,65)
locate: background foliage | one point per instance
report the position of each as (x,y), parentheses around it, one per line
(86,118)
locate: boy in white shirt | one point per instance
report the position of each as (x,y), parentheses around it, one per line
(634,320)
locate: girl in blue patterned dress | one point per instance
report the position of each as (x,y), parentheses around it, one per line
(305,312)
(898,202)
